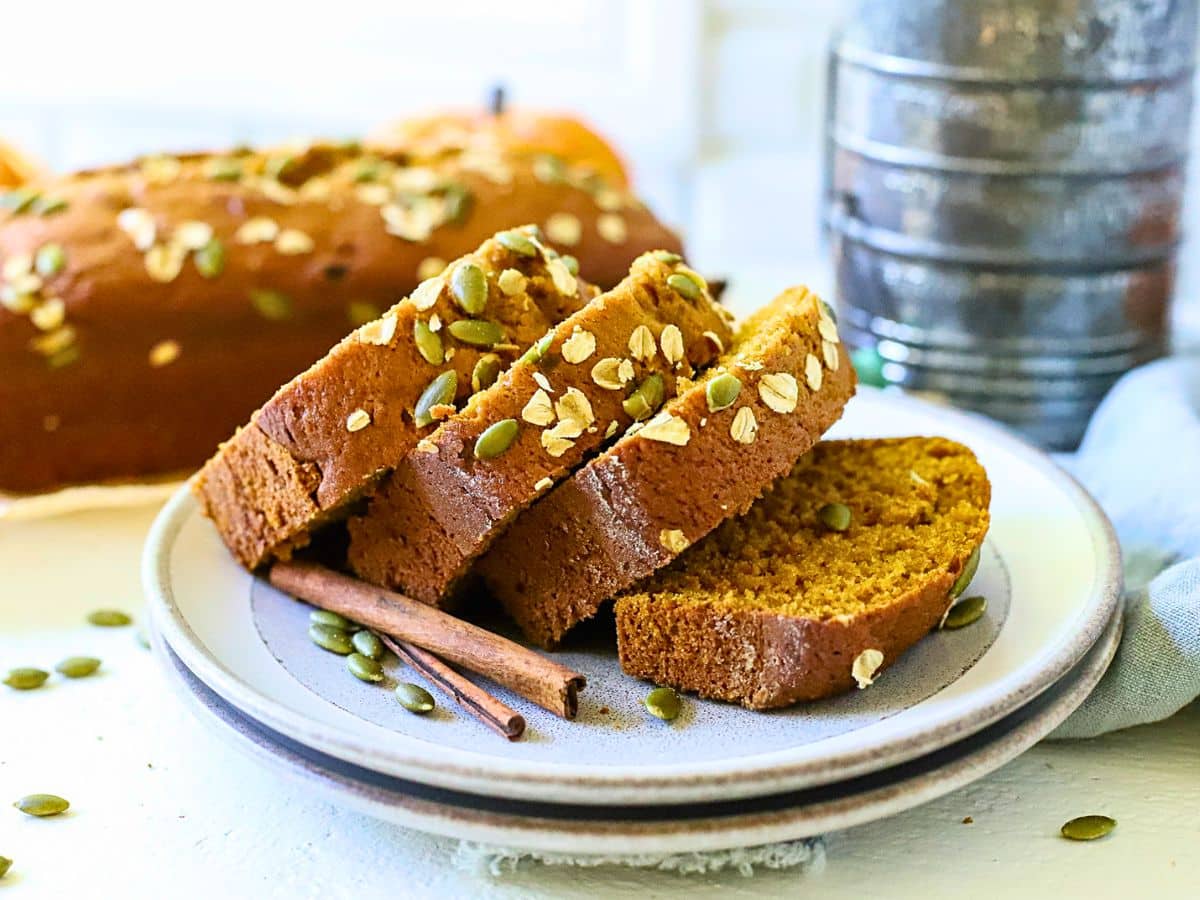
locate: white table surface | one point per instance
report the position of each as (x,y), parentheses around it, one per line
(162,808)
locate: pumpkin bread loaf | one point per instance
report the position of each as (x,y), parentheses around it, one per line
(329,434)
(147,309)
(597,372)
(666,483)
(775,607)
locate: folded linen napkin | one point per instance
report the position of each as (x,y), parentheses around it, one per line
(1140,458)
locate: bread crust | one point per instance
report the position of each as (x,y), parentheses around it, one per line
(442,507)
(632,510)
(121,373)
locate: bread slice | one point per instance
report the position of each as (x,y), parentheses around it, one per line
(668,482)
(773,607)
(448,500)
(329,434)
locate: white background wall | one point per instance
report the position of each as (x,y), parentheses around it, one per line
(718,103)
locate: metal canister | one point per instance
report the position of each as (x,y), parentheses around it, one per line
(1004,185)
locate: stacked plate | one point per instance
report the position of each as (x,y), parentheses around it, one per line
(616,780)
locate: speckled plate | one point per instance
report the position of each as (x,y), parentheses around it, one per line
(1050,571)
(626,830)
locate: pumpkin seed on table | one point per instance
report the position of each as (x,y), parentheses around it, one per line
(42,805)
(429,343)
(335,640)
(663,703)
(274,306)
(835,516)
(517,243)
(722,391)
(1088,828)
(330,618)
(496,438)
(965,612)
(646,398)
(109,618)
(964,577)
(78,666)
(414,698)
(368,644)
(440,392)
(469,288)
(26,679)
(364,668)
(476,332)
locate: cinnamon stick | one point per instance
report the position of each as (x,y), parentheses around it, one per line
(470,696)
(549,684)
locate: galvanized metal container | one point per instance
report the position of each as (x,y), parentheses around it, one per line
(1004,184)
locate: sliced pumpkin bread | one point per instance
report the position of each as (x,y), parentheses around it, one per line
(706,456)
(329,434)
(776,607)
(598,371)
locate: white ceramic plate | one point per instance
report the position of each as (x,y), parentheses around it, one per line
(1050,549)
(596,830)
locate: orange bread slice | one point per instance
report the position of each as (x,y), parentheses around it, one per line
(454,494)
(774,608)
(705,457)
(329,434)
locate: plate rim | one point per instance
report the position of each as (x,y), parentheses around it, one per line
(613,834)
(530,778)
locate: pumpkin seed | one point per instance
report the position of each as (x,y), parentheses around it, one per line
(496,438)
(645,399)
(440,392)
(47,206)
(335,640)
(366,169)
(26,679)
(210,259)
(42,805)
(19,200)
(829,311)
(684,285)
(278,166)
(78,666)
(485,373)
(359,312)
(368,644)
(364,668)
(429,343)
(666,256)
(458,199)
(469,288)
(537,350)
(272,305)
(965,612)
(964,577)
(330,618)
(224,170)
(50,260)
(663,703)
(5,865)
(109,618)
(722,391)
(571,263)
(414,698)
(476,332)
(517,243)
(834,516)
(1088,828)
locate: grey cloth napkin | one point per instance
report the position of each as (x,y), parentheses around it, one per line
(1140,458)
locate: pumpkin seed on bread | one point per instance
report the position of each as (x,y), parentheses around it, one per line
(463,484)
(706,456)
(774,607)
(328,435)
